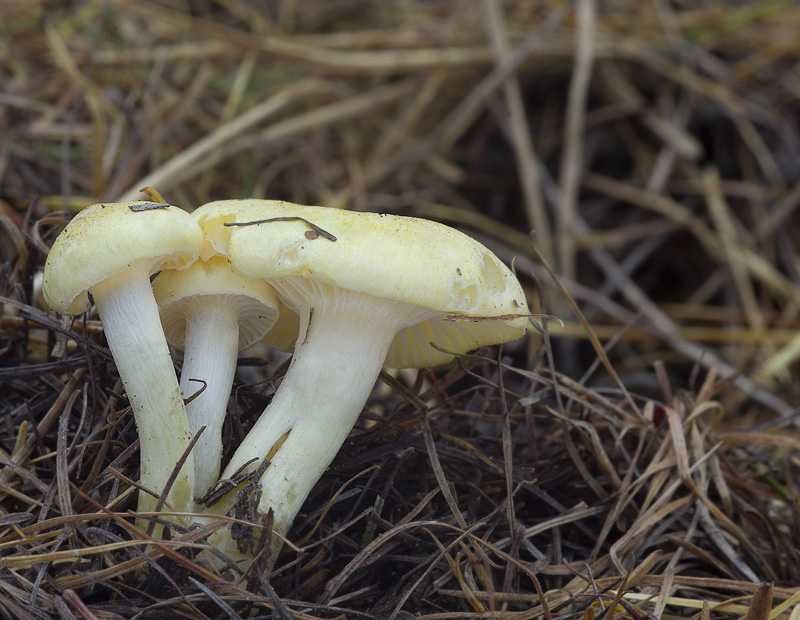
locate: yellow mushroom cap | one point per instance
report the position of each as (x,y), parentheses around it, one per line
(177,294)
(106,238)
(399,258)
(212,218)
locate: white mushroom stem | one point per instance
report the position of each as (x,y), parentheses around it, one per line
(212,337)
(336,362)
(132,327)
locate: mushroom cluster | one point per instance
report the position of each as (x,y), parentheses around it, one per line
(346,292)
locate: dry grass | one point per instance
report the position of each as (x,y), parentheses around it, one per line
(641,457)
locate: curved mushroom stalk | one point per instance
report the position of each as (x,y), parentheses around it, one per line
(209,364)
(343,341)
(132,327)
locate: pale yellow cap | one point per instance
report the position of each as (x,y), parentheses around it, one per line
(253,299)
(400,258)
(212,218)
(106,238)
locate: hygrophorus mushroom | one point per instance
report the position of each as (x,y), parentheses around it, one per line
(371,290)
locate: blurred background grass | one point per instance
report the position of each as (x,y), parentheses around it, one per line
(652,147)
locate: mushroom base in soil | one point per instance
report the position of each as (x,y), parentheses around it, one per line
(343,341)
